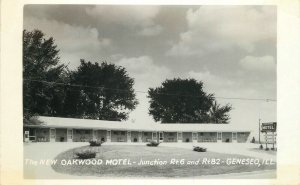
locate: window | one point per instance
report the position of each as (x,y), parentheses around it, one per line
(201,133)
(86,131)
(115,133)
(171,134)
(211,134)
(122,133)
(145,134)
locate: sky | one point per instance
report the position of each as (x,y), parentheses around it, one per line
(232,49)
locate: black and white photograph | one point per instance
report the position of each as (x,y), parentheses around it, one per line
(109,92)
(149,91)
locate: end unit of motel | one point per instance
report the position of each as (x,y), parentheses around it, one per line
(55,129)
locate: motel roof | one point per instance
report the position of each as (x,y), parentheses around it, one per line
(58,122)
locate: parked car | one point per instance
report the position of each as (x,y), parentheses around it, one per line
(153,143)
(199,149)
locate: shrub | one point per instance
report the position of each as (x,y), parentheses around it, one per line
(86,154)
(95,142)
(253,140)
(153,143)
(261,147)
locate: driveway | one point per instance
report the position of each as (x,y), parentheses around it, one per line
(248,149)
(43,151)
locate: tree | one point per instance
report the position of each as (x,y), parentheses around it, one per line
(183,101)
(180,100)
(219,114)
(100,91)
(41,64)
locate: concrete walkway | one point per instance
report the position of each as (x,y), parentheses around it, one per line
(34,152)
(247,149)
(44,151)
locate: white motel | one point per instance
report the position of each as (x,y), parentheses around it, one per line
(55,129)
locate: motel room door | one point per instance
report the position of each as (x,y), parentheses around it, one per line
(52,134)
(161,136)
(70,135)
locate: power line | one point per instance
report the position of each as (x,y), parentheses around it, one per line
(144,92)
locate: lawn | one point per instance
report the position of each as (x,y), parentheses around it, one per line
(136,153)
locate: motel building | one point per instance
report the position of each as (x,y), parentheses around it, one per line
(55,129)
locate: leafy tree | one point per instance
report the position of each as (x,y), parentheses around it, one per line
(180,100)
(40,64)
(184,101)
(100,91)
(219,114)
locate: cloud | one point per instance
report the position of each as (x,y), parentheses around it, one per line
(234,86)
(146,73)
(264,63)
(213,83)
(150,31)
(220,28)
(74,42)
(136,17)
(210,80)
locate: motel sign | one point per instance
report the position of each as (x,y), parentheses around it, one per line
(269,129)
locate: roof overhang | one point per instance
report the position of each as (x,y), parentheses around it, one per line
(72,123)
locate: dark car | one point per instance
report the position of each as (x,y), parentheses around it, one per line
(153,143)
(199,149)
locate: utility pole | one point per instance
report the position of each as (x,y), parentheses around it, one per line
(259,130)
